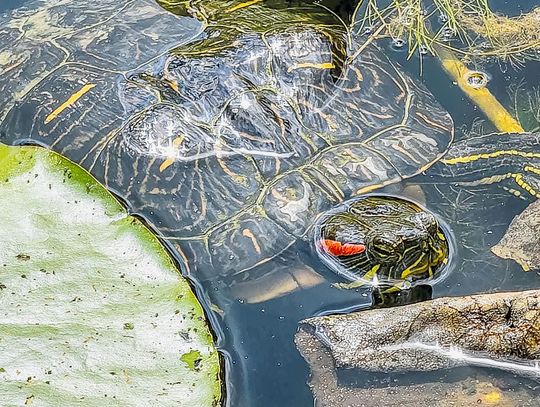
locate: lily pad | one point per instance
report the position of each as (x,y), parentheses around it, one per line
(93,310)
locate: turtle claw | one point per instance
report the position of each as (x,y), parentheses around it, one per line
(349,286)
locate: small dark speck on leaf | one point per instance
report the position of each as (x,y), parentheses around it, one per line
(184,335)
(128,325)
(23,257)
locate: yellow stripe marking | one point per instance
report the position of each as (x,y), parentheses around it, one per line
(484,156)
(371,273)
(169,161)
(412,270)
(243,5)
(239,179)
(534,170)
(72,99)
(324,65)
(249,234)
(482,97)
(431,122)
(173,84)
(518,178)
(359,283)
(369,188)
(393,289)
(400,149)
(166,164)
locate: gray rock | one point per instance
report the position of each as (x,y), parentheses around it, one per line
(521,241)
(476,389)
(498,330)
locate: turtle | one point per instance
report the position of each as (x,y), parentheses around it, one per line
(229,126)
(382,238)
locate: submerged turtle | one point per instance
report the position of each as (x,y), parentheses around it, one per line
(230,132)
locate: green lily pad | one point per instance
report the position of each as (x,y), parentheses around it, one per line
(93,311)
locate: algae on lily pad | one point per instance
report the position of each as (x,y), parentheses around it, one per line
(93,310)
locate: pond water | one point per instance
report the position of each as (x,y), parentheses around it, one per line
(255,327)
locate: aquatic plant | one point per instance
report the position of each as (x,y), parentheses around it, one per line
(525,105)
(469,27)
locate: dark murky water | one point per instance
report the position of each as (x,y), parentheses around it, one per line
(264,367)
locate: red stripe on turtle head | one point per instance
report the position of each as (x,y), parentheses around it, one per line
(336,248)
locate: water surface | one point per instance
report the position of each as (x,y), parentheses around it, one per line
(264,369)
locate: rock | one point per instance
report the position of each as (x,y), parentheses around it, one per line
(499,330)
(478,389)
(522,239)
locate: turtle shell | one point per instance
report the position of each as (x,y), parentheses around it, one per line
(230,140)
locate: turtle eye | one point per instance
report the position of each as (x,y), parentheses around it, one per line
(384,247)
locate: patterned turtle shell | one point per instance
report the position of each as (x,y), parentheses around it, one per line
(229,126)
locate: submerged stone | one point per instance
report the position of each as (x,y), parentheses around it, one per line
(449,389)
(522,239)
(499,330)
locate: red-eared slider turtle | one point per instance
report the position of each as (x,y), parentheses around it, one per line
(383,239)
(231,131)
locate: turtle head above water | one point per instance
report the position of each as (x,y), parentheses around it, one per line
(382,239)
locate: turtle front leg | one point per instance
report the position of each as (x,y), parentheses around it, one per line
(527,181)
(512,160)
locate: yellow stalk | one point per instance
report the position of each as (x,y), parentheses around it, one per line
(482,97)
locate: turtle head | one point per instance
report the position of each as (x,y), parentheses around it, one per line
(385,247)
(382,238)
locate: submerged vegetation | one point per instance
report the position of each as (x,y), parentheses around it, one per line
(525,105)
(469,27)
